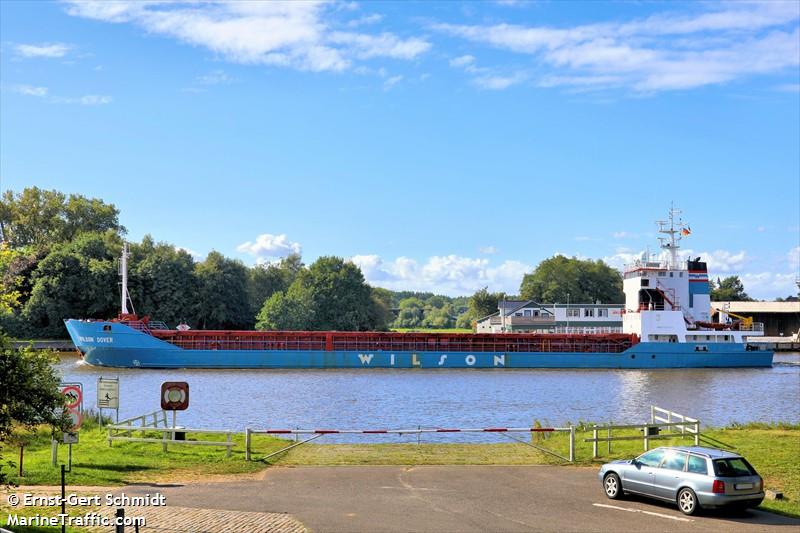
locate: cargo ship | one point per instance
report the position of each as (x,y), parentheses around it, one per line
(666,323)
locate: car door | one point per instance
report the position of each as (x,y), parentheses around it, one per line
(639,477)
(670,476)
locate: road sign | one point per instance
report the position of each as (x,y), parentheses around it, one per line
(174,396)
(73,392)
(107,393)
(70,438)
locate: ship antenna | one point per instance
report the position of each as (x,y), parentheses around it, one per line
(673,229)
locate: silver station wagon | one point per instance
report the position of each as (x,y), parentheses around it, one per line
(689,476)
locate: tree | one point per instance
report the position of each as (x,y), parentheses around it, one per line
(411,314)
(266,280)
(75,280)
(39,217)
(729,289)
(482,303)
(585,281)
(29,394)
(222,300)
(162,282)
(329,295)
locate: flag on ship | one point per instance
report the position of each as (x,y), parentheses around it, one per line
(686,231)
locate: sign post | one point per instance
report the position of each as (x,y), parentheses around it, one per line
(73,394)
(174,397)
(107,396)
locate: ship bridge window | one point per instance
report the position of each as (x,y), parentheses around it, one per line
(645,283)
(680,274)
(672,274)
(107,327)
(662,274)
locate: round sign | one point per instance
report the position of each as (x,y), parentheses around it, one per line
(73,395)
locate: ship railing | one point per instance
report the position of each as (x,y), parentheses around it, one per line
(755,326)
(139,325)
(543,343)
(585,330)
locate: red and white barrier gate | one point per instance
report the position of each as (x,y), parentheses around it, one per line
(410,431)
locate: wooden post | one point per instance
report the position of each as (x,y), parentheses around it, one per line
(652,413)
(54,452)
(109,438)
(697,433)
(594,443)
(229,445)
(21,448)
(646,440)
(247,433)
(609,439)
(164,440)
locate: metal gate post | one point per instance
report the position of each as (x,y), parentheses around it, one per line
(247,444)
(571,444)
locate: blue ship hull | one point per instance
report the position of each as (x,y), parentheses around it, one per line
(129,348)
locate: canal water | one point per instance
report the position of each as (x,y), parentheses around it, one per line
(372,399)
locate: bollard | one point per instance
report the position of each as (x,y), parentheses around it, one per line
(120,527)
(247,433)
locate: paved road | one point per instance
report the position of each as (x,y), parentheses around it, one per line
(451,498)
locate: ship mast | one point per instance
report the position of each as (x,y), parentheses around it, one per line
(674,230)
(123,270)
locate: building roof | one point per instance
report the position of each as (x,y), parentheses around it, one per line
(758,307)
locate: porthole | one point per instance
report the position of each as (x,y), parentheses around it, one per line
(653,356)
(633,356)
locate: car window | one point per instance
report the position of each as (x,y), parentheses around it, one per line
(652,458)
(674,460)
(697,465)
(733,467)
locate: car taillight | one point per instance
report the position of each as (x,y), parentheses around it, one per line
(718,487)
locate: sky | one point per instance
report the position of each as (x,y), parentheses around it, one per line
(441,146)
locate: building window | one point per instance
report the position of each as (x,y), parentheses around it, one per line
(645,283)
(671,274)
(662,274)
(574,312)
(527,312)
(602,313)
(588,313)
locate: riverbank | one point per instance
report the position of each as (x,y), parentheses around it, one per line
(772,449)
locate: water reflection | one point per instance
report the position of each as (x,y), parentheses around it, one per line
(236,399)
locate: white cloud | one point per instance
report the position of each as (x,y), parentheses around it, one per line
(42,50)
(286,34)
(268,246)
(215,77)
(450,274)
(498,83)
(391,82)
(30,90)
(43,92)
(488,250)
(663,52)
(462,61)
(768,285)
(197,256)
(365,20)
(721,261)
(624,235)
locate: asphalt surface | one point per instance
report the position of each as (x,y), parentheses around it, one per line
(452,498)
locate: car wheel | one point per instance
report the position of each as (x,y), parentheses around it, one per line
(613,486)
(687,501)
